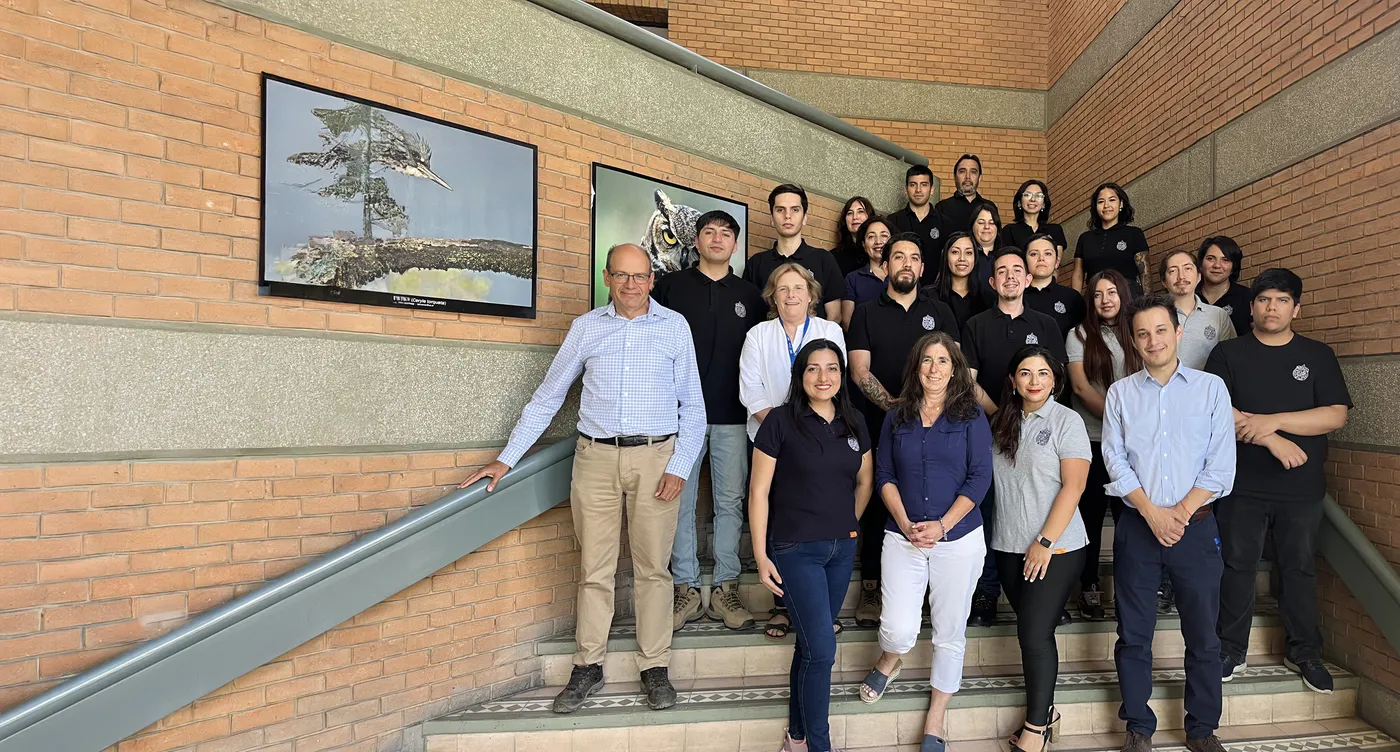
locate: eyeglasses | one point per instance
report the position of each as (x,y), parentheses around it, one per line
(622,277)
(1033,196)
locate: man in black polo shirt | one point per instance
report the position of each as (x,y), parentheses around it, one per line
(989,341)
(788,205)
(918,218)
(720,308)
(1045,294)
(955,212)
(882,333)
(1288,393)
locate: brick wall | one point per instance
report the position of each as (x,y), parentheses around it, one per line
(1335,220)
(1191,74)
(1000,43)
(129,153)
(1009,157)
(1073,25)
(129,169)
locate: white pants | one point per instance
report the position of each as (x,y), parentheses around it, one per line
(948,572)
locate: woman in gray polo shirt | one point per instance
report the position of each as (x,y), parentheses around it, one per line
(1040,463)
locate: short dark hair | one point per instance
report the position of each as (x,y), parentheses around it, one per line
(1162,265)
(1125,212)
(1228,247)
(866,226)
(972,157)
(916,171)
(983,205)
(903,237)
(717,217)
(1280,279)
(787,188)
(1009,250)
(1043,236)
(1020,214)
(1157,300)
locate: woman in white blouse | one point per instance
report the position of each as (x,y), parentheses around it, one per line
(765,365)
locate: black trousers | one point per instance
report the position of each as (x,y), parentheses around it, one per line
(1092,505)
(872,522)
(1038,605)
(989,583)
(1194,566)
(1292,526)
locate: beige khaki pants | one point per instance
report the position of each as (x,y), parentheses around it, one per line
(604,476)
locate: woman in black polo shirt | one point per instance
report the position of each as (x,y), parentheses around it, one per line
(811,479)
(985,228)
(1031,205)
(1112,241)
(956,283)
(848,253)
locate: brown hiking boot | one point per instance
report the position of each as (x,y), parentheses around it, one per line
(686,606)
(1137,743)
(1205,744)
(725,606)
(868,609)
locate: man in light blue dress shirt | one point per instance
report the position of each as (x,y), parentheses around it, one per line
(641,422)
(1168,443)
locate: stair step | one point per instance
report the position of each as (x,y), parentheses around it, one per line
(739,715)
(1299,736)
(706,649)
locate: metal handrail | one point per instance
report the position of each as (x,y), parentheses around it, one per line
(206,625)
(665,49)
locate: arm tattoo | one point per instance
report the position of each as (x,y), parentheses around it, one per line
(877,394)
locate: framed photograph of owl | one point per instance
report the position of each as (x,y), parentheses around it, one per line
(657,215)
(370,204)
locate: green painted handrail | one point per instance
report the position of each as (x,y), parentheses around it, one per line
(1366,573)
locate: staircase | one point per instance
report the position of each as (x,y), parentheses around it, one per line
(733,694)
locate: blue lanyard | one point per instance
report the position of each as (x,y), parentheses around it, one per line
(792,351)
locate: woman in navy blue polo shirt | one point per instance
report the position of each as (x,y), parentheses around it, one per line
(812,476)
(934,468)
(867,282)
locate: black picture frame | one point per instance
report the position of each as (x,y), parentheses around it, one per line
(597,254)
(347,294)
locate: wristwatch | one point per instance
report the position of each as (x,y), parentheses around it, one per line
(1046,542)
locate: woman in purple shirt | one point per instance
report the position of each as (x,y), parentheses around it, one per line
(932,468)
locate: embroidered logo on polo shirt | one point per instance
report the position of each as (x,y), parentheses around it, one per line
(1043,437)
(853,444)
(1301,373)
(1031,339)
(740,310)
(1060,306)
(1228,309)
(1122,245)
(928,323)
(933,233)
(1210,332)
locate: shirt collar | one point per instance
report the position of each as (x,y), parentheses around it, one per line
(705,278)
(653,310)
(1145,376)
(802,250)
(1044,411)
(865,271)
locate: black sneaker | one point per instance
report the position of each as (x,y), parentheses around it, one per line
(1091,603)
(1135,742)
(1314,674)
(583,682)
(1229,664)
(1166,599)
(657,686)
(984,610)
(1064,619)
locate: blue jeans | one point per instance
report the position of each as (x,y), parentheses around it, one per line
(1194,565)
(815,577)
(729,474)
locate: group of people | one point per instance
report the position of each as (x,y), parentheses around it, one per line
(929,396)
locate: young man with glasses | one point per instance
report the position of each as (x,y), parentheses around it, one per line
(641,422)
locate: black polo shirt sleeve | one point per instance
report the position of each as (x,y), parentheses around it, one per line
(1080,245)
(946,322)
(772,432)
(833,282)
(858,336)
(751,272)
(1331,386)
(1137,240)
(969,344)
(1058,233)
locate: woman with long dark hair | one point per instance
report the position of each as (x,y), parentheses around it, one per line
(848,252)
(867,282)
(1040,466)
(1100,352)
(956,282)
(933,469)
(985,229)
(811,480)
(1031,206)
(1112,241)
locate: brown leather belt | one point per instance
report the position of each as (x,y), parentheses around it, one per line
(1201,513)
